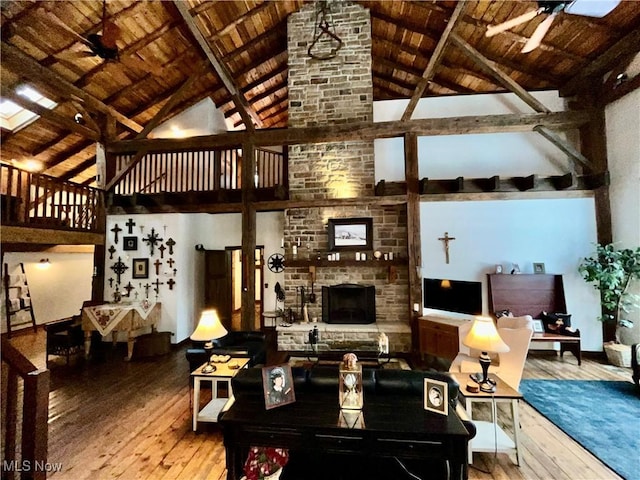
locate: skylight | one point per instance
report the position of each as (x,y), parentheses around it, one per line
(13,117)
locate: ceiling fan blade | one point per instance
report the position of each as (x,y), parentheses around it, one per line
(514,22)
(138,63)
(110,34)
(55,21)
(71,55)
(536,39)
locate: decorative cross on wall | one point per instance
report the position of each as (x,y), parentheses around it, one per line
(146,287)
(446,239)
(162,248)
(157,284)
(110,282)
(128,287)
(119,268)
(157,263)
(170,243)
(111,251)
(152,239)
(116,229)
(130,224)
(171,283)
(170,262)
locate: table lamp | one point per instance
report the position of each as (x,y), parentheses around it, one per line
(209,328)
(484,336)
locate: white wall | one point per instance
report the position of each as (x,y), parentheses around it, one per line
(557,233)
(479,155)
(182,305)
(56,291)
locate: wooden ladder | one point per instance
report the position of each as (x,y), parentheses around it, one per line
(10,311)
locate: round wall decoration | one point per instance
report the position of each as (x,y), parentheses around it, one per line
(276,263)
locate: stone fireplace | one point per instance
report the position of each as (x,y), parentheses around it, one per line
(329,92)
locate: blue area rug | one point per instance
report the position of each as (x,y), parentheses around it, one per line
(603,416)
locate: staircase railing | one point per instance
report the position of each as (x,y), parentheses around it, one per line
(25,401)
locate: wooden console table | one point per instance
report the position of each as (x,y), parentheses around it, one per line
(116,317)
(311,425)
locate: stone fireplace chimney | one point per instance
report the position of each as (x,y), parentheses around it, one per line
(329,92)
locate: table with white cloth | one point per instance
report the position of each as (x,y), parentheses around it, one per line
(120,317)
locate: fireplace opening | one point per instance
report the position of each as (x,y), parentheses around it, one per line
(349,303)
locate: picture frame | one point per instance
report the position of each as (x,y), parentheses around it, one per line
(130,243)
(498,268)
(277,383)
(436,396)
(538,268)
(140,268)
(350,233)
(537,326)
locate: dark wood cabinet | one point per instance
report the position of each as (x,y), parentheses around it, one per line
(440,337)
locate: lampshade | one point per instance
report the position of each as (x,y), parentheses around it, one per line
(209,327)
(484,336)
(445,283)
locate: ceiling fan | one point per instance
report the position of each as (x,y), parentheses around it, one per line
(102,45)
(590,8)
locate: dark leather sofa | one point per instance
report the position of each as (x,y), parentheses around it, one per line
(235,344)
(321,465)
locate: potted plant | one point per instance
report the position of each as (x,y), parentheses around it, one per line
(611,271)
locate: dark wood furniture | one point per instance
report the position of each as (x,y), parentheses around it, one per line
(529,295)
(440,336)
(311,426)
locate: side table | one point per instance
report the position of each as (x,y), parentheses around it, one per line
(489,436)
(223,373)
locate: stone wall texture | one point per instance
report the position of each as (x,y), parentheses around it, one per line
(329,92)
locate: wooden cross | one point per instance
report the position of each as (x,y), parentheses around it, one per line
(171,283)
(446,239)
(130,224)
(110,282)
(162,248)
(128,287)
(116,229)
(157,263)
(170,243)
(171,261)
(119,268)
(157,284)
(146,287)
(111,251)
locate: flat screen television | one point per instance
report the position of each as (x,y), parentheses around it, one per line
(453,295)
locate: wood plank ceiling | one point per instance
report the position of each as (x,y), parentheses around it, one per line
(163,44)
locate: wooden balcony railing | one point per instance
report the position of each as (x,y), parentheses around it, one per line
(198,171)
(36,200)
(25,392)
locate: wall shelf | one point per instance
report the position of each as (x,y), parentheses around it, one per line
(323,262)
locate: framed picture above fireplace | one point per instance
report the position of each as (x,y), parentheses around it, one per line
(350,233)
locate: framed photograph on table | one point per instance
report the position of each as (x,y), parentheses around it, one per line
(436,396)
(140,268)
(350,233)
(277,382)
(537,326)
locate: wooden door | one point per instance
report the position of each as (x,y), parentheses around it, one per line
(217,284)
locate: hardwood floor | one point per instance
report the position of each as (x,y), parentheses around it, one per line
(127,420)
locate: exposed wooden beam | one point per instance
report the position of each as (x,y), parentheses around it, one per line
(522,122)
(625,46)
(153,123)
(620,91)
(81,167)
(563,145)
(504,79)
(49,236)
(48,115)
(434,61)
(245,110)
(22,64)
